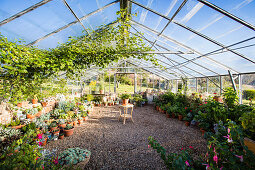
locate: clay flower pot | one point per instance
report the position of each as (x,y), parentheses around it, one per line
(44,104)
(62,125)
(125,101)
(187,123)
(180,117)
(68,132)
(75,123)
(61,137)
(168,115)
(57,132)
(34,101)
(203,131)
(157,108)
(53,128)
(18,126)
(19,105)
(30,116)
(79,122)
(45,142)
(173,115)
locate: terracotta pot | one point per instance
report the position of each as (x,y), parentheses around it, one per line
(68,132)
(218,99)
(45,142)
(250,144)
(180,117)
(44,104)
(109,104)
(19,105)
(57,132)
(79,121)
(30,116)
(168,115)
(70,123)
(34,101)
(125,101)
(173,115)
(203,131)
(105,104)
(62,125)
(38,114)
(101,91)
(187,123)
(61,137)
(18,126)
(53,128)
(157,108)
(75,123)
(84,119)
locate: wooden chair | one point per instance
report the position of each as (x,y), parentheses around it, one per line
(125,114)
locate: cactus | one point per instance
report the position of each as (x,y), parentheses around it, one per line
(73,156)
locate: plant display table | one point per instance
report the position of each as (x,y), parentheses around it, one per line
(123,109)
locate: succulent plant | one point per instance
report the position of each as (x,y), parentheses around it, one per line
(61,121)
(73,156)
(8,132)
(32,111)
(68,127)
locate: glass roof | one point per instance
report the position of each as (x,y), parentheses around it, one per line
(194,37)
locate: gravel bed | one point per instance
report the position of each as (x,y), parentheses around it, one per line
(117,146)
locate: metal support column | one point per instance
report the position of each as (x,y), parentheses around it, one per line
(240,89)
(153,81)
(220,85)
(135,84)
(115,89)
(167,85)
(109,82)
(158,84)
(207,85)
(141,81)
(232,80)
(196,85)
(176,86)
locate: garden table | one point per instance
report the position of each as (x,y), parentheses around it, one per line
(125,111)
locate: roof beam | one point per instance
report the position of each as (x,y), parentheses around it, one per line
(78,19)
(72,23)
(213,41)
(183,46)
(224,12)
(31,8)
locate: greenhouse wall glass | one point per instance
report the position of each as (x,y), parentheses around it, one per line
(127,84)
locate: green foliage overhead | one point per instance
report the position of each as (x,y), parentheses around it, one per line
(25,67)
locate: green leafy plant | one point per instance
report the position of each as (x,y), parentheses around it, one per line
(230,96)
(73,156)
(68,127)
(125,96)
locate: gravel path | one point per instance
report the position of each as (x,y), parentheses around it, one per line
(117,146)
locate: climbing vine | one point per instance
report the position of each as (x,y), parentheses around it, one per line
(22,66)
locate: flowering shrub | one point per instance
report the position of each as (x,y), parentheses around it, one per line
(226,149)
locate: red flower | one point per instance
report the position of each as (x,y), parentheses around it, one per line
(190,110)
(40,143)
(200,104)
(182,149)
(185,107)
(37,158)
(191,147)
(214,93)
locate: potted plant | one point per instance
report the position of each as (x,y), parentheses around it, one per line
(62,123)
(92,85)
(68,130)
(79,120)
(188,118)
(61,135)
(31,113)
(35,99)
(55,131)
(53,125)
(125,97)
(101,90)
(70,122)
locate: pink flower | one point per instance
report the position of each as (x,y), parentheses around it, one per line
(42,167)
(228,130)
(191,147)
(205,102)
(56,161)
(39,136)
(207,166)
(40,143)
(182,149)
(148,146)
(241,157)
(229,138)
(221,168)
(215,159)
(187,163)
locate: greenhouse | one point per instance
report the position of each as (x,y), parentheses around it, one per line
(127,84)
